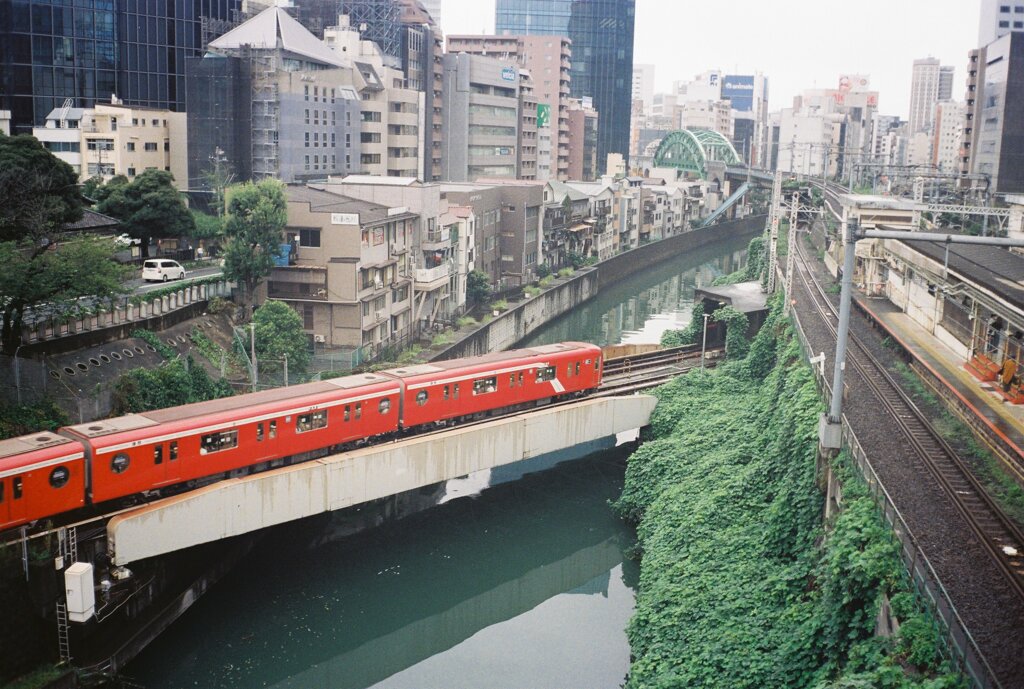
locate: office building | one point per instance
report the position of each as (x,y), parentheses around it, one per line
(297,113)
(748,97)
(548,61)
(947,135)
(481,118)
(930,84)
(643,86)
(993,119)
(88,52)
(998,18)
(583,127)
(601,32)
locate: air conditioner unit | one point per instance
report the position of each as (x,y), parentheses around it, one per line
(380,316)
(319,338)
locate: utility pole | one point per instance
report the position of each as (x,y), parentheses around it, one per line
(704,343)
(773,229)
(794,210)
(252,349)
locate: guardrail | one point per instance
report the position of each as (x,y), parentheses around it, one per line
(125,310)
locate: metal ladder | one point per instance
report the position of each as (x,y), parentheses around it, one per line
(67,541)
(63,642)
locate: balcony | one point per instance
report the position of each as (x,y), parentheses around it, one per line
(437,239)
(429,279)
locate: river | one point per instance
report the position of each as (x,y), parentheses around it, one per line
(518,579)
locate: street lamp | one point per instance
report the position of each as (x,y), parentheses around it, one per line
(704,344)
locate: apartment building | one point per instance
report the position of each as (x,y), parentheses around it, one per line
(583,127)
(349,276)
(114,139)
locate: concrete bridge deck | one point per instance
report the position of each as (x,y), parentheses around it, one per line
(237,506)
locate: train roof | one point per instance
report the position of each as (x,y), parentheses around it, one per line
(185,412)
(24,444)
(493,358)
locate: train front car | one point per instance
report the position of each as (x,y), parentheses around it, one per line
(41,475)
(203,441)
(445,390)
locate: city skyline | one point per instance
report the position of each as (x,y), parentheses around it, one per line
(946,29)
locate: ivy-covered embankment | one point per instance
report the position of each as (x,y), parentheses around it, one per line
(741,585)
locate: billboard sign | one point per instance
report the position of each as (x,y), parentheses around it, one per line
(508,74)
(739,90)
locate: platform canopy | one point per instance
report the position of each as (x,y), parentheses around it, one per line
(691,150)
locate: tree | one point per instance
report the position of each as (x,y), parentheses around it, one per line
(148,206)
(254,232)
(57,276)
(38,192)
(181,381)
(38,198)
(279,332)
(478,287)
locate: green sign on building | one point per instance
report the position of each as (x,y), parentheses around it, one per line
(543,115)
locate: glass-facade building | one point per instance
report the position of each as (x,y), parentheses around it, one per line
(88,50)
(602,55)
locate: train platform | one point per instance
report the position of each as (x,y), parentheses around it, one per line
(984,400)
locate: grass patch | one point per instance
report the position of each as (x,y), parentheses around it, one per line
(466,322)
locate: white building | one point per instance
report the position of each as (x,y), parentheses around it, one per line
(930,83)
(998,18)
(643,86)
(946,140)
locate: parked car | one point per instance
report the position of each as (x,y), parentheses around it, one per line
(162,270)
(126,240)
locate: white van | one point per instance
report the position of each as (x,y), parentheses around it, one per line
(162,270)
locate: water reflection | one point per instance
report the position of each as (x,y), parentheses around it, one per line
(475,588)
(640,309)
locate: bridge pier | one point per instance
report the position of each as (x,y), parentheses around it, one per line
(238,506)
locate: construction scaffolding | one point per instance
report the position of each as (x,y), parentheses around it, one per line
(266,115)
(378,21)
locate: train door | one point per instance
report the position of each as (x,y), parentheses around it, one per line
(15,501)
(5,509)
(165,462)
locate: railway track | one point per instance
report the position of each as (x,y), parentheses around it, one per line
(993,529)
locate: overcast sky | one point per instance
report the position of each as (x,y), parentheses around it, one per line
(797,44)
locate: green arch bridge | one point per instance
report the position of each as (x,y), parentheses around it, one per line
(691,150)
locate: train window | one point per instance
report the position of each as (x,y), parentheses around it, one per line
(577,368)
(17,489)
(446,392)
(385,406)
(273,429)
(348,412)
(520,379)
(511,380)
(314,420)
(597,364)
(485,385)
(217,442)
(158,454)
(59,477)
(545,374)
(119,463)
(421,397)
(359,411)
(456,391)
(259,432)
(174,450)
(568,371)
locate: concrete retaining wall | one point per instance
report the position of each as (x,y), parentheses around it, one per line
(516,324)
(238,506)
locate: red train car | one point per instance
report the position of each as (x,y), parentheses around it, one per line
(450,389)
(41,475)
(144,452)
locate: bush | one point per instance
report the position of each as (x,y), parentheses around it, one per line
(566,272)
(465,322)
(169,385)
(543,270)
(500,305)
(23,419)
(531,291)
(546,281)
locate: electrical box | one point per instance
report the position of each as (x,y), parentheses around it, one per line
(80,594)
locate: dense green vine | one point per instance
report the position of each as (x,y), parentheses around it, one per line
(739,587)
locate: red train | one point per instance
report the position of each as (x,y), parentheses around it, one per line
(45,474)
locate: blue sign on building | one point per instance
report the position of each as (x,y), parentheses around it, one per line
(739,90)
(508,74)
